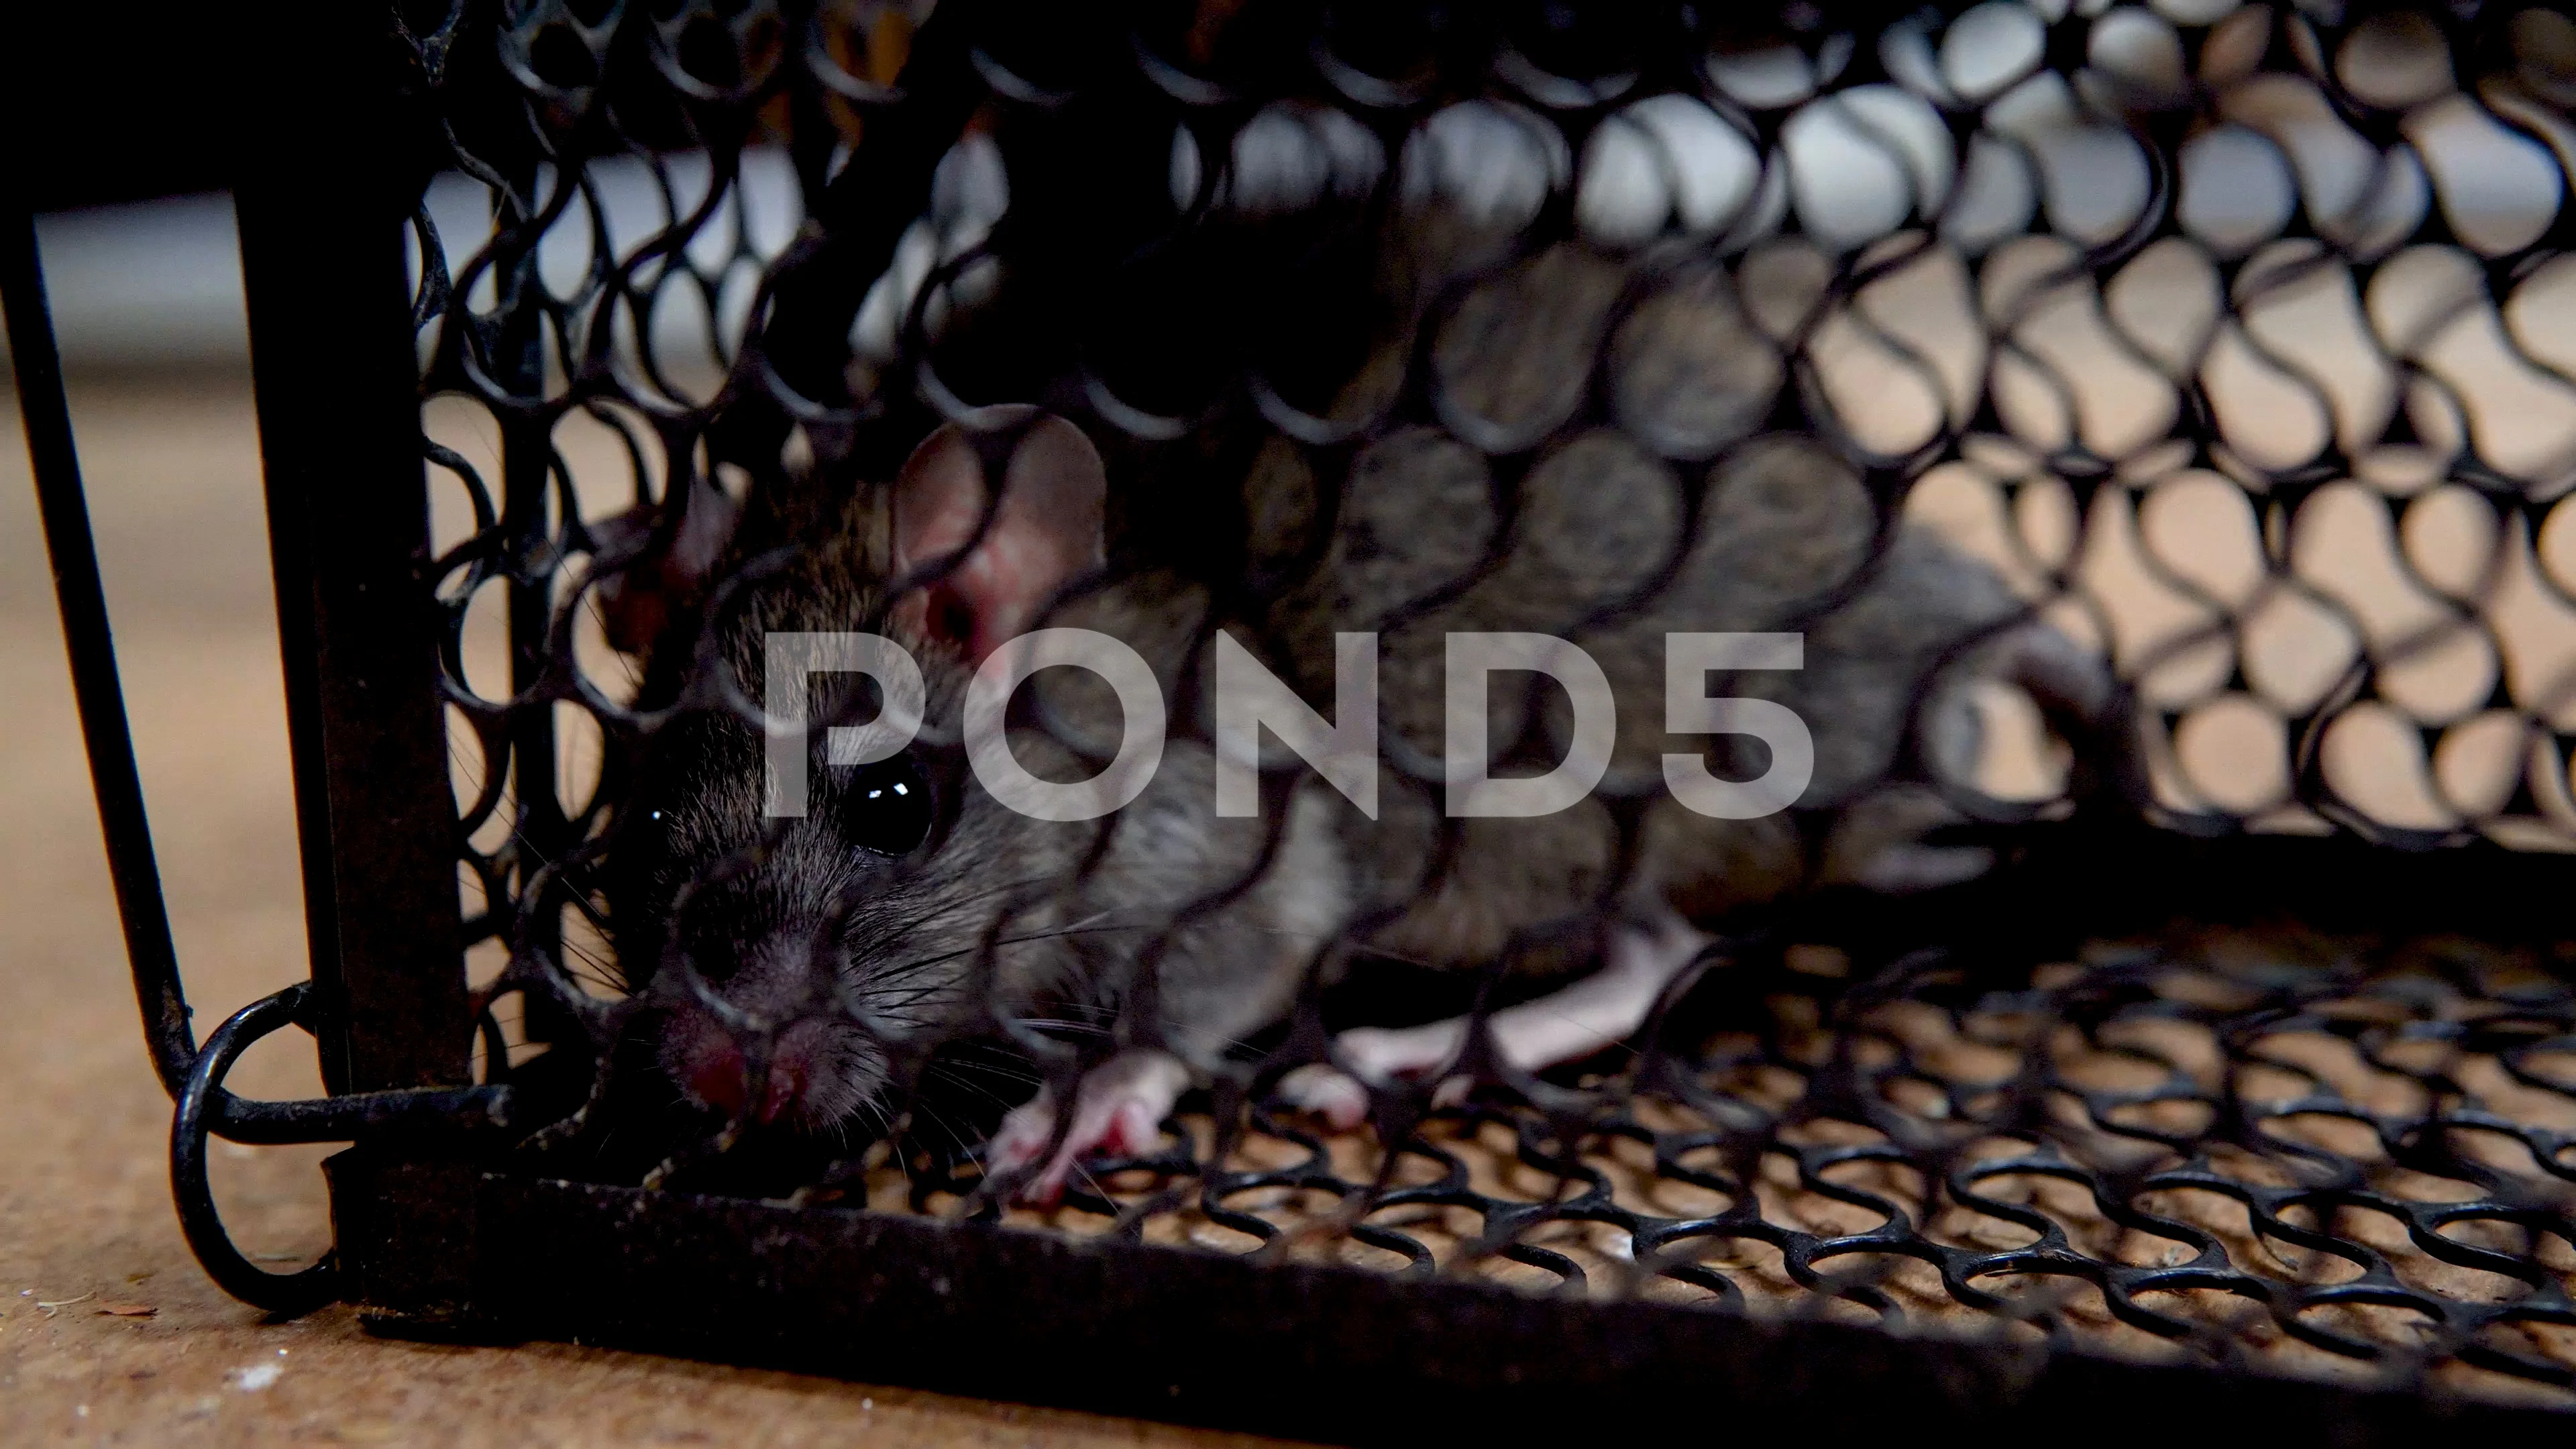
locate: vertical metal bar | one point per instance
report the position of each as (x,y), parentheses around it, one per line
(290,557)
(321,210)
(527,457)
(539,833)
(46,414)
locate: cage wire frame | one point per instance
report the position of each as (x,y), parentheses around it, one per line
(437,1233)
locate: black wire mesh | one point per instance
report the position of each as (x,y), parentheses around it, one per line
(2227,342)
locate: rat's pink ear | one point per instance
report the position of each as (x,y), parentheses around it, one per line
(1045,531)
(668,578)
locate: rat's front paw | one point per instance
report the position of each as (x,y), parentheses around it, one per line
(1118,1111)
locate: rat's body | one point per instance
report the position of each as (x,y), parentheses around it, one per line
(1601,546)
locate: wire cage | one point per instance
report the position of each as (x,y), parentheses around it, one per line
(2149,420)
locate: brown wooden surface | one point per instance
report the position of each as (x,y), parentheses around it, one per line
(84,1202)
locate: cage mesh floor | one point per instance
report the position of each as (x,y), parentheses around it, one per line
(2268,1149)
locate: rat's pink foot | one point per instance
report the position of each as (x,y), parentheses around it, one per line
(1605,1007)
(1118,1110)
(1374,1056)
(1328,1092)
(1340,1099)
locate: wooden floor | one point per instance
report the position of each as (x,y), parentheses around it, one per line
(108,1332)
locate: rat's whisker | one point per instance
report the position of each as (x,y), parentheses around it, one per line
(973,1086)
(908,967)
(991,1069)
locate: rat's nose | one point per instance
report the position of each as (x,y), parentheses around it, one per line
(786,1084)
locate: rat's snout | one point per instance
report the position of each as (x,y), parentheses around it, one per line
(816,1074)
(789,1069)
(714,1064)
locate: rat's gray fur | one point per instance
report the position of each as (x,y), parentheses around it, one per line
(1602,548)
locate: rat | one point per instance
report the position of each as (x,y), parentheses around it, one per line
(908,906)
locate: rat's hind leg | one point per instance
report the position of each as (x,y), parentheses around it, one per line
(1118,1110)
(1605,1007)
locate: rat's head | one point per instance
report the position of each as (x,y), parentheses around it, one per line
(791,927)
(818,941)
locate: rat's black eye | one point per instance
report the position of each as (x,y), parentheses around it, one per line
(648,834)
(885,807)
